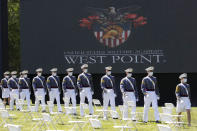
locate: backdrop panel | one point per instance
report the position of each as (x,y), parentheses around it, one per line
(120,33)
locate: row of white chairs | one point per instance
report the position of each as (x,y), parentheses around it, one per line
(166,116)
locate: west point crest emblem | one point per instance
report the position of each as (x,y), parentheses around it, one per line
(112,27)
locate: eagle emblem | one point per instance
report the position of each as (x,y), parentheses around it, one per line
(111,26)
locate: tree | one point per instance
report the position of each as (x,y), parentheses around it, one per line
(14,34)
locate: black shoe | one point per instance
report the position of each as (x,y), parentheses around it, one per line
(134,120)
(90,114)
(115,118)
(43,110)
(74,114)
(157,121)
(145,122)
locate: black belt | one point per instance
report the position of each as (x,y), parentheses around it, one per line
(129,90)
(54,87)
(85,86)
(183,95)
(5,87)
(14,87)
(69,87)
(150,90)
(24,88)
(109,87)
(39,87)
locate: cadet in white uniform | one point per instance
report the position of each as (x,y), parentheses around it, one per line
(86,89)
(183,97)
(151,94)
(109,92)
(129,93)
(54,88)
(13,86)
(69,86)
(4,88)
(25,87)
(39,86)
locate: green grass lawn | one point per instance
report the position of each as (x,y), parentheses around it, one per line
(27,125)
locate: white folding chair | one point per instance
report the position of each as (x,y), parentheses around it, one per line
(50,105)
(95,124)
(20,103)
(101,112)
(38,124)
(123,127)
(164,127)
(54,130)
(114,114)
(6,116)
(47,119)
(33,112)
(57,117)
(26,113)
(139,116)
(85,108)
(168,119)
(96,103)
(121,108)
(2,106)
(76,124)
(12,127)
(1,101)
(170,105)
(167,110)
(68,109)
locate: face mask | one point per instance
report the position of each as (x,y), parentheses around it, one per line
(39,74)
(7,77)
(14,76)
(54,74)
(109,73)
(70,73)
(85,70)
(129,75)
(185,80)
(150,73)
(25,75)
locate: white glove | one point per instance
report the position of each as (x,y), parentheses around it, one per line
(158,97)
(178,98)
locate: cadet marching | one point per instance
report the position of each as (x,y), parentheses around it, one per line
(14,88)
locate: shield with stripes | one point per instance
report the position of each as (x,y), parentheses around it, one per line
(112,35)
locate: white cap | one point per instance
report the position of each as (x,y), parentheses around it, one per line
(129,70)
(151,68)
(84,66)
(108,68)
(13,72)
(184,75)
(6,73)
(24,72)
(69,69)
(39,70)
(53,70)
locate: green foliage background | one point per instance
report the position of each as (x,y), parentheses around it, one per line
(14,34)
